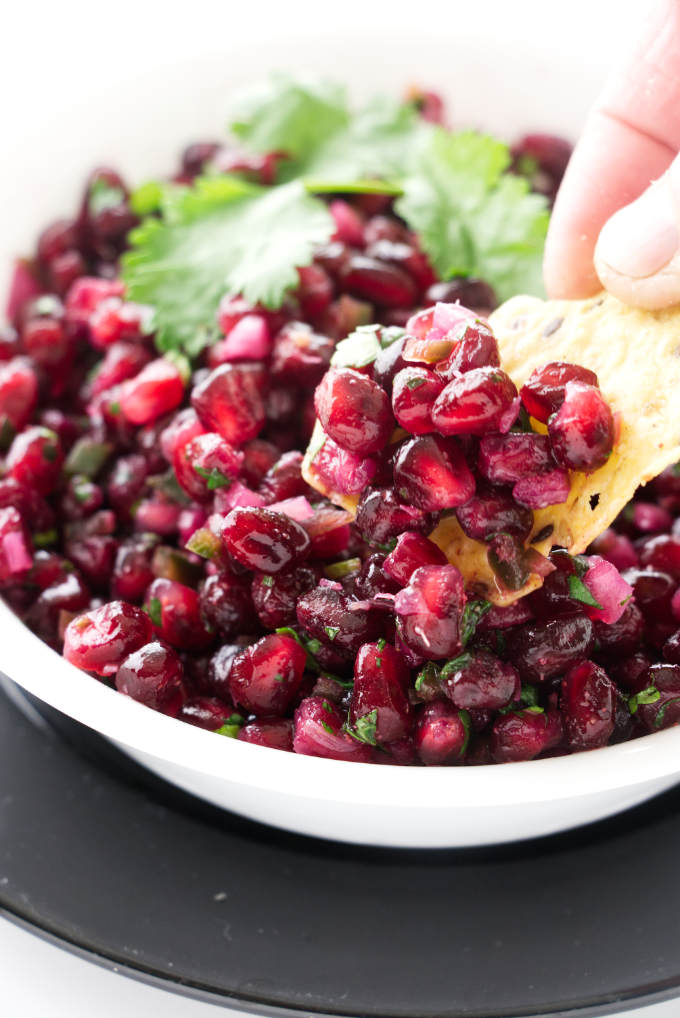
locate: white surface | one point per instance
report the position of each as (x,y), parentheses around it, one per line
(39,980)
(132,86)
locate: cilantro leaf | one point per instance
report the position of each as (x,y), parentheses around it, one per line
(223,235)
(472,218)
(649,695)
(579,592)
(473,613)
(365,727)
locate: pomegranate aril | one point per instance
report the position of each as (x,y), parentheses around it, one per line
(543,159)
(429,611)
(341,471)
(275,597)
(379,695)
(372,579)
(653,592)
(157,389)
(378,282)
(492,512)
(315,291)
(284,478)
(671,649)
(661,553)
(582,431)
(58,238)
(318,731)
(86,293)
(663,712)
(475,403)
(195,156)
(466,290)
(153,676)
(414,390)
(431,473)
(273,733)
(337,621)
(543,650)
(175,611)
(15,546)
(525,735)
(587,704)
(265,677)
(114,320)
(476,347)
(248,340)
(405,257)
(226,606)
(300,355)
(480,681)
(35,458)
(94,555)
(230,402)
(349,224)
(650,518)
(100,640)
(616,548)
(354,411)
(544,392)
(206,712)
(264,541)
(411,552)
(132,571)
(206,464)
(18,393)
(380,517)
(121,362)
(442,734)
(67,594)
(10,344)
(505,459)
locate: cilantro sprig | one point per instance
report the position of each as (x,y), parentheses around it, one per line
(225,234)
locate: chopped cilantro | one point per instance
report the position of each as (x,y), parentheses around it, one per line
(415,383)
(529,695)
(658,720)
(359,349)
(331,631)
(267,581)
(382,643)
(465,719)
(327,728)
(455,664)
(215,478)
(649,695)
(365,727)
(154,610)
(45,538)
(473,613)
(231,727)
(579,592)
(427,676)
(278,677)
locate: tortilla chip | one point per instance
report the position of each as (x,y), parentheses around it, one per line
(636,356)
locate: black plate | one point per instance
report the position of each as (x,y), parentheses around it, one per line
(127,870)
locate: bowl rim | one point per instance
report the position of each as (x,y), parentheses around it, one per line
(40,670)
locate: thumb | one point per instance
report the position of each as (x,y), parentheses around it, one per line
(637,255)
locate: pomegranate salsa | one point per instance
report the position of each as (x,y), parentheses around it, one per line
(156,521)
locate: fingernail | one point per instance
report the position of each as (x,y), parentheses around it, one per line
(642,237)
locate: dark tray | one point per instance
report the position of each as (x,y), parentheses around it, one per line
(124,869)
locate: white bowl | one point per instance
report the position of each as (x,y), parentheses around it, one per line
(57,130)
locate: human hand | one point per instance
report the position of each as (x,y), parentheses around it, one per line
(616,222)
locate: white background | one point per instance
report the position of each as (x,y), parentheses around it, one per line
(52,56)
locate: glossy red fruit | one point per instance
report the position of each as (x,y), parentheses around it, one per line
(338,621)
(275,597)
(587,704)
(493,512)
(329,532)
(429,611)
(661,553)
(132,572)
(226,606)
(86,294)
(411,552)
(206,712)
(381,680)
(15,545)
(623,637)
(480,680)
(114,320)
(284,478)
(35,458)
(431,473)
(414,391)
(273,733)
(442,734)
(264,541)
(663,712)
(319,732)
(66,594)
(156,390)
(341,471)
(582,431)
(354,411)
(475,403)
(205,465)
(404,256)
(265,677)
(476,347)
(120,362)
(379,282)
(300,355)
(544,391)
(615,548)
(230,402)
(100,640)
(18,393)
(525,735)
(544,649)
(381,517)
(315,291)
(153,675)
(505,459)
(175,611)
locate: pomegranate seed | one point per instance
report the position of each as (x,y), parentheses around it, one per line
(429,611)
(664,711)
(544,392)
(349,225)
(582,431)
(86,294)
(587,705)
(114,320)
(274,733)
(31,506)
(380,517)
(126,482)
(175,611)
(542,650)
(315,291)
(157,516)
(525,735)
(341,471)
(493,512)
(543,159)
(671,649)
(229,401)
(537,491)
(226,606)
(121,362)
(503,617)
(476,347)
(35,458)
(10,343)
(661,553)
(354,411)
(379,706)
(388,363)
(275,597)
(506,459)
(616,548)
(431,473)
(378,282)
(475,403)
(23,287)
(411,552)
(465,290)
(132,571)
(405,257)
(18,393)
(100,640)
(300,356)
(58,238)
(372,579)
(480,680)
(337,621)
(621,638)
(442,734)
(319,732)
(248,339)
(266,676)
(414,390)
(15,548)
(197,155)
(284,479)
(153,676)
(206,464)
(328,531)
(157,389)
(650,518)
(264,541)
(258,458)
(207,712)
